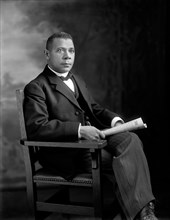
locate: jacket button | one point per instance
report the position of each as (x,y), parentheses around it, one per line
(87,118)
(76,113)
(87,123)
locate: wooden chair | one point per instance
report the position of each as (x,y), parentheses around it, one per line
(36,177)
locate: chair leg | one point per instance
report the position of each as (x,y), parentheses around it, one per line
(97,185)
(31,195)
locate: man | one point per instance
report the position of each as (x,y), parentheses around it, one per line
(59,109)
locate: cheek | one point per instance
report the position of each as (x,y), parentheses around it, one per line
(56,59)
(73,57)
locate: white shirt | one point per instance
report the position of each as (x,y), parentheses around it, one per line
(68,82)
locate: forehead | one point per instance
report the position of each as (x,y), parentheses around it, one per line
(60,42)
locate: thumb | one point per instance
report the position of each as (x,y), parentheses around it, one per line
(102,135)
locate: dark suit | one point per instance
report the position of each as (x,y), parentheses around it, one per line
(56,112)
(53,112)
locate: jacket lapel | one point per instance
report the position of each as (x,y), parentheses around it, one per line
(60,86)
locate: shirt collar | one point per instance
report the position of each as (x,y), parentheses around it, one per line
(58,74)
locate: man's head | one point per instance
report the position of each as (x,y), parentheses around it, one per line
(60,52)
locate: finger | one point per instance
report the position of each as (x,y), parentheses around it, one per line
(102,135)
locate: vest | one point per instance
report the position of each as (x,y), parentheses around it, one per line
(83,104)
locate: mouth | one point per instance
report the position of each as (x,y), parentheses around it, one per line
(66,64)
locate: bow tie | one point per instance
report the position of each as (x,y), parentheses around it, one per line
(69,75)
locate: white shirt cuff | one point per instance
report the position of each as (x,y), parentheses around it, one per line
(79,136)
(115,120)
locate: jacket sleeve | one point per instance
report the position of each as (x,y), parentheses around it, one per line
(103,114)
(39,126)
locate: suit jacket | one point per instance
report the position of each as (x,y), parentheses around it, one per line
(52,113)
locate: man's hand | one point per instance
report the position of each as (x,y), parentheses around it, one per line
(91,133)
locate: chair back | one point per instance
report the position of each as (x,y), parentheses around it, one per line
(20,102)
(30,153)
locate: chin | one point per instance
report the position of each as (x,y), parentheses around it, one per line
(66,70)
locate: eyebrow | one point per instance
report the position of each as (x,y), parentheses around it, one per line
(66,47)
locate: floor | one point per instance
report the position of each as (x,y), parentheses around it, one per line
(13,205)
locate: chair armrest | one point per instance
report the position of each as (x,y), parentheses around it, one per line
(77,144)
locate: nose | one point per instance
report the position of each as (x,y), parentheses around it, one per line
(67,55)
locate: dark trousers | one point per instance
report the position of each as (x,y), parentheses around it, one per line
(124,161)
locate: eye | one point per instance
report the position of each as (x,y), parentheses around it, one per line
(59,50)
(72,50)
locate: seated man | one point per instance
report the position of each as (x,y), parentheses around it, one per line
(58,107)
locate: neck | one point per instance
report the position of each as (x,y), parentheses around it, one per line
(58,74)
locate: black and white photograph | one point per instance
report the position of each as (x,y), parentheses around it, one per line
(84,110)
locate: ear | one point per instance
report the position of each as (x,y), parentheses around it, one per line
(47,55)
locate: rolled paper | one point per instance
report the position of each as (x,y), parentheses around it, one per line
(128,126)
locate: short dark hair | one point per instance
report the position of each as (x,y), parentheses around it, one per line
(62,35)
